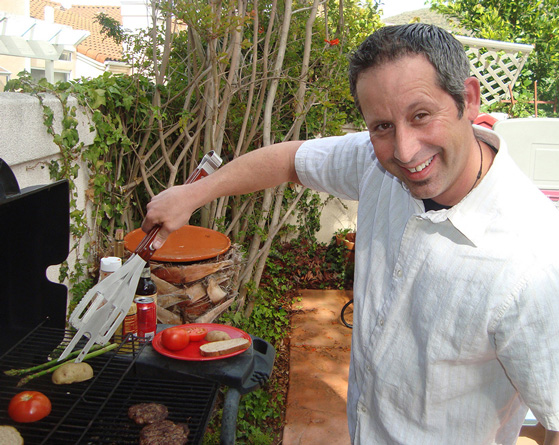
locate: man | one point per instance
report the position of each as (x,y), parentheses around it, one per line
(456,308)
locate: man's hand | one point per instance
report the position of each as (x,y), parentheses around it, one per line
(171,210)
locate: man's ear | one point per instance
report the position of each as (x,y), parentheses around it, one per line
(472,97)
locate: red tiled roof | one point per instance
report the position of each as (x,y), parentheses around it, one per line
(97,46)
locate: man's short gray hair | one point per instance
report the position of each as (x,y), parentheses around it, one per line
(390,43)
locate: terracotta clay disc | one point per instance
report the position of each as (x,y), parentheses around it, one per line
(189,243)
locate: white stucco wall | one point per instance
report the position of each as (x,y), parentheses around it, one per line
(27,148)
(338,214)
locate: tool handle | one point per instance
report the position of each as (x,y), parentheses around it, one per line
(209,163)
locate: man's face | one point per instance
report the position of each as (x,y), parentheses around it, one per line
(415,129)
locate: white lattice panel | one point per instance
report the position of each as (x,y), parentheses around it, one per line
(497,65)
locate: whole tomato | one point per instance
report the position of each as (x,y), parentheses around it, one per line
(29,406)
(197,333)
(175,338)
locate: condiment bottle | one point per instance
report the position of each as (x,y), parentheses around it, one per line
(109,265)
(146,286)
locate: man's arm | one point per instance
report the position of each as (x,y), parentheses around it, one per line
(551,438)
(260,169)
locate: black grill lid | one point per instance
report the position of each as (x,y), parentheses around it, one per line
(8,181)
(34,234)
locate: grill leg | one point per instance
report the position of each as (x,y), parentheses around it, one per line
(229,418)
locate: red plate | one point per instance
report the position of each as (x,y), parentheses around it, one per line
(192,351)
(189,243)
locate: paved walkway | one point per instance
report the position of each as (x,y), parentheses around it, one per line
(319,366)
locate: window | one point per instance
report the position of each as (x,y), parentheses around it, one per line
(66,56)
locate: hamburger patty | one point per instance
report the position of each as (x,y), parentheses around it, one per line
(164,432)
(146,413)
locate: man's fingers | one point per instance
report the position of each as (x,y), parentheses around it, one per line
(166,210)
(147,225)
(160,239)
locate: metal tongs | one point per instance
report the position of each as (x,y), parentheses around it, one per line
(104,306)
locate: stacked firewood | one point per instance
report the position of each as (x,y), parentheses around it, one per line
(196,292)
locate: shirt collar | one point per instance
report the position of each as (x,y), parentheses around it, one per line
(472,215)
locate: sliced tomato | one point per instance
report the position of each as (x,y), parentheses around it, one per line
(175,338)
(29,406)
(197,333)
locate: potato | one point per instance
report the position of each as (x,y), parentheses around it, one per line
(217,336)
(72,373)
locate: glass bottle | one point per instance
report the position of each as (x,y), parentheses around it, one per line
(146,286)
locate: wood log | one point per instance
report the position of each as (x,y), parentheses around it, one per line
(163,287)
(195,292)
(188,292)
(211,315)
(192,312)
(188,273)
(166,301)
(215,292)
(167,317)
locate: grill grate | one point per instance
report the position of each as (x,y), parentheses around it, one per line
(95,411)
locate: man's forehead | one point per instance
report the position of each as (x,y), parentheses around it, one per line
(399,73)
(400,90)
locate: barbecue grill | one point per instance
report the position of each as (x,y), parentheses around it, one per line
(34,223)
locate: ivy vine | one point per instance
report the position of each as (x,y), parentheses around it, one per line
(106,186)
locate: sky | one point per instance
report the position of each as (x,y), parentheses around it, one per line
(395,7)
(390,7)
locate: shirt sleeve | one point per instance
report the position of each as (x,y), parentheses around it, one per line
(335,165)
(527,342)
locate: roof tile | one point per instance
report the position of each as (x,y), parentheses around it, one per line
(97,46)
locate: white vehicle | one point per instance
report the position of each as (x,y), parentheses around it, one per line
(534,145)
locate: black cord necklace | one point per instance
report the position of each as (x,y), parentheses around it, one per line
(480,165)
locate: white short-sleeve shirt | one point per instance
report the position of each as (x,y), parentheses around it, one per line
(456,312)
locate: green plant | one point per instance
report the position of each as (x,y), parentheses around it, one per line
(338,260)
(343,232)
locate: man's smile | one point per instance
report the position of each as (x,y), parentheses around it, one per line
(420,167)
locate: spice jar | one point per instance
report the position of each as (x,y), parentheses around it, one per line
(109,265)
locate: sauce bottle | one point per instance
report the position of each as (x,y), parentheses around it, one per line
(146,286)
(146,296)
